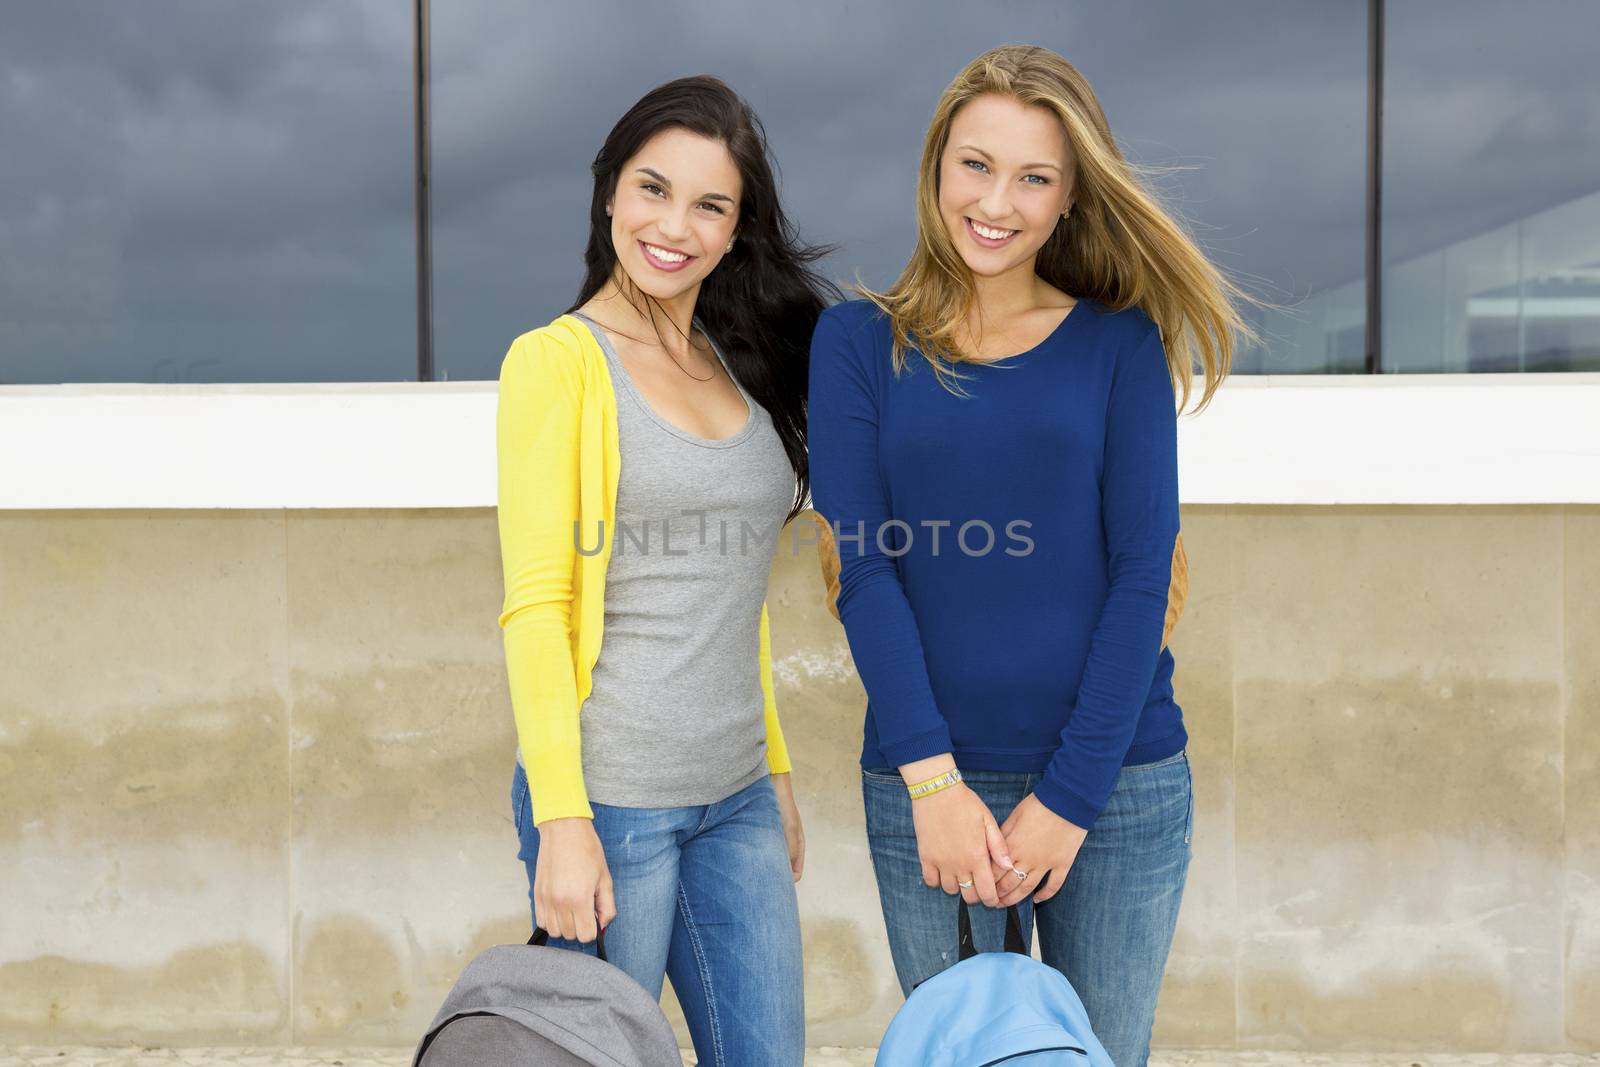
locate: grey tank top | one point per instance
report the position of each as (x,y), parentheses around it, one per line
(675,717)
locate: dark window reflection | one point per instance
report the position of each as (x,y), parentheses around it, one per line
(221,190)
(1492,187)
(206,191)
(1265,102)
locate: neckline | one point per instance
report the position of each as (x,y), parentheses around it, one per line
(1071,314)
(650,412)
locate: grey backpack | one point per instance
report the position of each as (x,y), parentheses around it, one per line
(547,1007)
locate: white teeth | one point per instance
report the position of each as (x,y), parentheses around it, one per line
(664,256)
(991,234)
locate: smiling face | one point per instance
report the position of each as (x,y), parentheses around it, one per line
(1004,179)
(675,209)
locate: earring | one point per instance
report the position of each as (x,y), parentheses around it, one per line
(725,251)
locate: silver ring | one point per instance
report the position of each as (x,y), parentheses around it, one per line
(1020,873)
(964,885)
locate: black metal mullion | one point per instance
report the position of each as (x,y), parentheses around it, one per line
(423,153)
(1375,186)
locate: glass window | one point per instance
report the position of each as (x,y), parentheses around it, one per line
(1491,195)
(1266,104)
(207,191)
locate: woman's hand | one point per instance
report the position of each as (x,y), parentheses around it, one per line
(793,832)
(957,838)
(1040,841)
(571,882)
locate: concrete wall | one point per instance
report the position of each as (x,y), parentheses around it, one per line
(254,777)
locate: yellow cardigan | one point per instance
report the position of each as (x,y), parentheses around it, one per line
(558,458)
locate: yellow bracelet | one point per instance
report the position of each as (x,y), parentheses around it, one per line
(934,784)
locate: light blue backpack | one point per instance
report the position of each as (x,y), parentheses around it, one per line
(993,1008)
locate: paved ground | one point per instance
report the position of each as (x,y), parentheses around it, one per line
(33,1056)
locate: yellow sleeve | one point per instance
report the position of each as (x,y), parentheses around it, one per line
(777,750)
(536,450)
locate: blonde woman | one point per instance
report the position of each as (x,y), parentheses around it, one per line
(994,447)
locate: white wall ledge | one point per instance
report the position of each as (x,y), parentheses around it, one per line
(1408,439)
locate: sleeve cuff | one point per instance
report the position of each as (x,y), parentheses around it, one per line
(561,807)
(555,789)
(1065,803)
(932,742)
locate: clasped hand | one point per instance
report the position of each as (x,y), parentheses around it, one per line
(1038,843)
(963,850)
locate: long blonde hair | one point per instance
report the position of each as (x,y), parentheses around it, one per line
(1119,246)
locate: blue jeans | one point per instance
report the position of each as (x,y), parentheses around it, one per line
(1109,928)
(704,896)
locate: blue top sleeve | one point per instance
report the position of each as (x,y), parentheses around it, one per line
(847,490)
(1139,512)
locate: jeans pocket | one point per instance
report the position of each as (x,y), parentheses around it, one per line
(883,774)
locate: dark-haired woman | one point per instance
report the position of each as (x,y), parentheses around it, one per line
(651,445)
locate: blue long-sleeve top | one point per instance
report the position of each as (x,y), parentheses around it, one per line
(1042,651)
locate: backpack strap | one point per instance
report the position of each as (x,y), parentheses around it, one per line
(541,937)
(1014,942)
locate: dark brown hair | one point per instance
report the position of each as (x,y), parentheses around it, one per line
(762,301)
